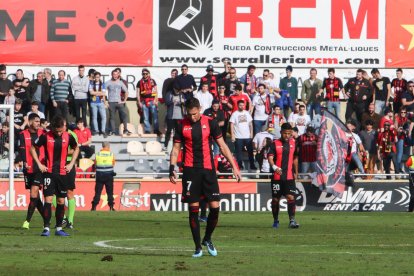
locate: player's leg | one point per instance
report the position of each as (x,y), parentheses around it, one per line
(212,193)
(290,194)
(60,192)
(276,194)
(71,177)
(203,210)
(48,192)
(34,198)
(411,186)
(191,194)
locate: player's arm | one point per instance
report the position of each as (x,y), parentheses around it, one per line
(388,93)
(40,142)
(227,153)
(173,161)
(296,161)
(271,159)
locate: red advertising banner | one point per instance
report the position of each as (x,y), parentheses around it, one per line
(129,195)
(76,32)
(400,34)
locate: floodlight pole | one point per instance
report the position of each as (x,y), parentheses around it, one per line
(11,154)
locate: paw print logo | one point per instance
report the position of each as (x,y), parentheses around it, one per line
(116,30)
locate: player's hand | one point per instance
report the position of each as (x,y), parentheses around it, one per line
(237,174)
(68,167)
(42,168)
(55,104)
(279,171)
(173,178)
(233,139)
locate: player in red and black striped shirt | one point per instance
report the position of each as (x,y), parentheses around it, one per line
(33,177)
(195,134)
(56,144)
(283,159)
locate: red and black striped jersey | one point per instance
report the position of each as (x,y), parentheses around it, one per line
(196,139)
(283,154)
(26,140)
(56,150)
(307,148)
(332,88)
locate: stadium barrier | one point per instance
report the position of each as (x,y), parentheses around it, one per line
(248,195)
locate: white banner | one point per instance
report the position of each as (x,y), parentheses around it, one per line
(301,33)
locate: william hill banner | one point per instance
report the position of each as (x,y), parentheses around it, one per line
(303,33)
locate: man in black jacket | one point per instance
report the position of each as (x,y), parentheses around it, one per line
(39,91)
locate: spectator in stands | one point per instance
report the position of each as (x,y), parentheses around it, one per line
(5,83)
(372,116)
(402,126)
(174,101)
(4,139)
(39,91)
(168,85)
(20,119)
(185,83)
(354,145)
(290,84)
(358,91)
(213,80)
(242,133)
(218,115)
(239,95)
(386,142)
(47,75)
(105,163)
(333,86)
(249,81)
(307,150)
(261,143)
(262,109)
(276,120)
(407,99)
(44,124)
(223,101)
(369,140)
(124,96)
(147,98)
(270,84)
(231,82)
(19,74)
(300,120)
(22,94)
(311,93)
(98,104)
(399,84)
(388,118)
(59,94)
(80,86)
(10,99)
(84,138)
(285,102)
(35,109)
(117,102)
(204,97)
(382,90)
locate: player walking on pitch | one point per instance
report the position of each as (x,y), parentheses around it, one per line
(195,134)
(283,159)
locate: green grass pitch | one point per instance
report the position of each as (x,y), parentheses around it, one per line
(152,243)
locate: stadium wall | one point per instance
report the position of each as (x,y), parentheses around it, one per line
(161,195)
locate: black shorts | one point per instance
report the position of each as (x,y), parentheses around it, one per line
(55,184)
(283,188)
(33,179)
(71,179)
(199,183)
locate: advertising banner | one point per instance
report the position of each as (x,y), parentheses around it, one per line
(76,32)
(302,33)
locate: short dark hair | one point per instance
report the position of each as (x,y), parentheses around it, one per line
(91,72)
(57,122)
(16,80)
(81,66)
(286,126)
(5,124)
(369,122)
(251,66)
(192,103)
(35,103)
(33,116)
(240,101)
(360,71)
(374,71)
(174,70)
(42,121)
(215,101)
(96,73)
(238,87)
(302,106)
(313,69)
(80,120)
(399,70)
(331,70)
(266,70)
(264,86)
(184,65)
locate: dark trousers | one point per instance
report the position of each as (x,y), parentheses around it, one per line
(386,162)
(171,124)
(358,109)
(107,180)
(411,186)
(121,108)
(88,150)
(81,105)
(238,146)
(62,110)
(224,129)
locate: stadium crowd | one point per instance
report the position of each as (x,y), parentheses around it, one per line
(249,109)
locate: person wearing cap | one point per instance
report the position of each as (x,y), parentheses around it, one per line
(39,91)
(35,109)
(386,144)
(249,81)
(382,90)
(290,84)
(213,80)
(358,91)
(369,141)
(407,99)
(80,86)
(147,100)
(185,83)
(307,150)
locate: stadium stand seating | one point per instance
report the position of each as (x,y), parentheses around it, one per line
(154,148)
(131,128)
(135,148)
